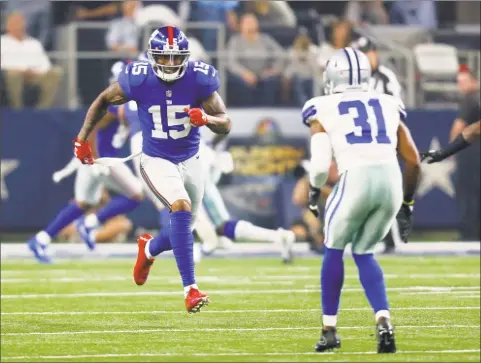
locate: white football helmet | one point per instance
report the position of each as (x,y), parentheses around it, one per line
(347,68)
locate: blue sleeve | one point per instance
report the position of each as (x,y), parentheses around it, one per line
(131,78)
(207,82)
(113,109)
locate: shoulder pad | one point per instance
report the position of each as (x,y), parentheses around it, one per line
(138,72)
(205,73)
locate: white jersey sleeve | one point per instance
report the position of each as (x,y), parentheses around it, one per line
(309,111)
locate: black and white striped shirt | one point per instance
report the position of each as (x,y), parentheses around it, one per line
(385,81)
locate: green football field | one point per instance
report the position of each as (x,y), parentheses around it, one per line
(260,310)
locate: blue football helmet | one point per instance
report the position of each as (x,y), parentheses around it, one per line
(168,53)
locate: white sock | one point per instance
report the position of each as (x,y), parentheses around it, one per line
(93,235)
(329,320)
(91,221)
(382,314)
(43,238)
(246,231)
(187,288)
(147,251)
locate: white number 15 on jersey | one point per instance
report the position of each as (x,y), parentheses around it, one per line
(172,120)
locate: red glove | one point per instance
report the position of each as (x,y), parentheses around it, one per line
(198,117)
(83,151)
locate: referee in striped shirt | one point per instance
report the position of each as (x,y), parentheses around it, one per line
(385,81)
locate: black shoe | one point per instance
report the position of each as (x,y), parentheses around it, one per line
(389,245)
(329,340)
(385,337)
(389,249)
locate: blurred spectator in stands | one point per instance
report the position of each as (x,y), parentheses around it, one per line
(97,10)
(363,12)
(158,14)
(310,228)
(383,79)
(341,34)
(415,12)
(468,161)
(24,61)
(271,13)
(123,33)
(300,71)
(214,11)
(37,16)
(255,62)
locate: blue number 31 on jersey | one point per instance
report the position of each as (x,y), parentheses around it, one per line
(362,120)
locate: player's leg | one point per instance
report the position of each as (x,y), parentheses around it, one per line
(205,229)
(240,230)
(135,148)
(123,181)
(343,210)
(194,181)
(166,180)
(87,193)
(387,195)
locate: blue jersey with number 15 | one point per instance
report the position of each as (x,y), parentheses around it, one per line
(166,128)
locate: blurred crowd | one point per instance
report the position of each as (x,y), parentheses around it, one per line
(275,49)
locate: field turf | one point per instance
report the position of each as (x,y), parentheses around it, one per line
(261,310)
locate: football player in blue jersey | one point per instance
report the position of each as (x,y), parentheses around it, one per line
(88,190)
(175,97)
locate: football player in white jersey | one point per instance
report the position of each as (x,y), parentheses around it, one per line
(363,131)
(226,228)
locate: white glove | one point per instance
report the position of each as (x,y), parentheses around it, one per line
(120,136)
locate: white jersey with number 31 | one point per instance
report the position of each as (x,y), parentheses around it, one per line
(362,126)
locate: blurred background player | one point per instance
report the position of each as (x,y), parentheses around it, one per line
(115,229)
(343,121)
(308,227)
(225,226)
(467,182)
(170,163)
(89,183)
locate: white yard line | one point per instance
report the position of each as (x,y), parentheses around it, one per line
(416,289)
(232,354)
(265,311)
(196,330)
(230,279)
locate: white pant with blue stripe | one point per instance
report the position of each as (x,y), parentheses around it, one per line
(89,183)
(362,207)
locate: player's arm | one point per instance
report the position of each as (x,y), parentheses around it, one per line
(462,141)
(112,95)
(412,169)
(411,176)
(216,114)
(472,132)
(321,157)
(92,139)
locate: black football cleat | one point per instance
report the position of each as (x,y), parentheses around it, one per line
(385,337)
(329,340)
